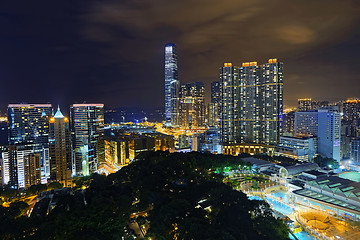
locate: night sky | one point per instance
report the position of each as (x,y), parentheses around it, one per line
(111,52)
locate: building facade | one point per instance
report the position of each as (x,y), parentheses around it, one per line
(215,105)
(60,149)
(192,105)
(329,133)
(29,124)
(306,123)
(171,84)
(252,103)
(21,166)
(300,148)
(229,79)
(87,127)
(305,104)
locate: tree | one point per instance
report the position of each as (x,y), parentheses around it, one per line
(326,162)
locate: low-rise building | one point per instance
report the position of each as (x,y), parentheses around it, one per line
(303,149)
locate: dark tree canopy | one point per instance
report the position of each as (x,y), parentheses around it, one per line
(177,195)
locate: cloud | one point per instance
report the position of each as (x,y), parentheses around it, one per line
(296,34)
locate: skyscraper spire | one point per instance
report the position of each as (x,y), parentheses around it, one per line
(58,113)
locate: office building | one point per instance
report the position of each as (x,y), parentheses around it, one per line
(325,124)
(192,105)
(116,151)
(229,80)
(250,103)
(60,149)
(32,169)
(305,104)
(21,166)
(29,124)
(306,123)
(171,85)
(300,148)
(329,133)
(87,127)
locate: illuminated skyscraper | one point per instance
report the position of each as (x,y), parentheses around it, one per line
(21,166)
(214,111)
(60,150)
(272,101)
(192,105)
(28,124)
(329,133)
(171,85)
(229,79)
(250,103)
(87,127)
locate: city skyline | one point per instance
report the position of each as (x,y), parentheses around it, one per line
(57,57)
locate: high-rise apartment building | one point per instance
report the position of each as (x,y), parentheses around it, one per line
(60,149)
(171,85)
(87,127)
(214,111)
(250,103)
(272,101)
(230,107)
(351,109)
(192,105)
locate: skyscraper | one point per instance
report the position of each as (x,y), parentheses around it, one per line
(28,124)
(21,166)
(215,104)
(171,85)
(87,127)
(60,150)
(229,79)
(192,105)
(250,102)
(329,133)
(272,101)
